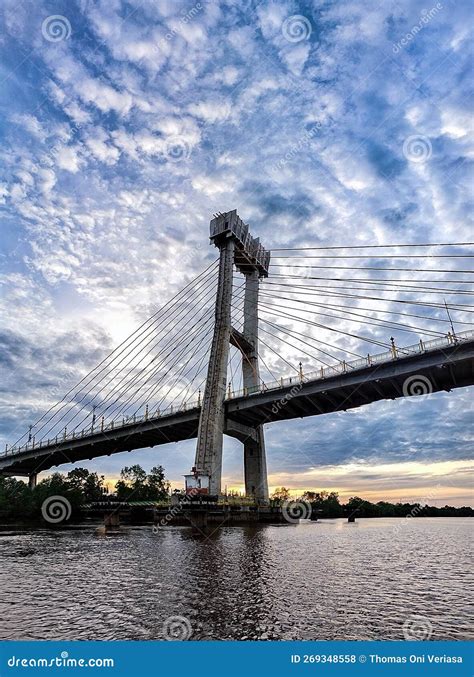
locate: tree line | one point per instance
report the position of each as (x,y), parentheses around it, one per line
(80,487)
(327,504)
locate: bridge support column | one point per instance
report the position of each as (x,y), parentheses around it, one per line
(212,419)
(255,462)
(32,480)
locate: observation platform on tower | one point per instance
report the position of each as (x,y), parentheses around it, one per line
(249,253)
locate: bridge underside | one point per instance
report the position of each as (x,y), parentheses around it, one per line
(445,369)
(175,428)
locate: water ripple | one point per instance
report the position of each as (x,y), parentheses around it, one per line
(329,580)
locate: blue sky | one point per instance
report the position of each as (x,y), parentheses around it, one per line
(125,125)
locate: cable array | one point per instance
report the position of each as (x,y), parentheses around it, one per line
(310,315)
(154,367)
(322,308)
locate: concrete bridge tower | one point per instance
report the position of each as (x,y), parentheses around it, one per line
(237,247)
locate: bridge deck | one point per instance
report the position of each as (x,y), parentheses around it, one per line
(441,364)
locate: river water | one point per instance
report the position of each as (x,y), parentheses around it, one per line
(375,579)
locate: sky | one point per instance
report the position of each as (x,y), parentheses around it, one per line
(126,125)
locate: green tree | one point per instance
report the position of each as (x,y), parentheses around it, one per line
(136,485)
(57,485)
(324,503)
(158,487)
(16,499)
(281,494)
(131,483)
(89,484)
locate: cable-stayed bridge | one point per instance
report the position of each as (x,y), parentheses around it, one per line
(241,346)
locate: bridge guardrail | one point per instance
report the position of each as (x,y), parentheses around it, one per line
(323,373)
(361,363)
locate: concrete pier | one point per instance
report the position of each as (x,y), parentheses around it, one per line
(255,462)
(204,515)
(212,420)
(237,247)
(112,520)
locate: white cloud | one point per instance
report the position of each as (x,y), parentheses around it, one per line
(101,148)
(210,185)
(213,110)
(102,197)
(296,56)
(271,17)
(31,124)
(67,157)
(46,180)
(93,91)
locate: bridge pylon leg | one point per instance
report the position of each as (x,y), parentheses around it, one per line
(32,480)
(255,462)
(255,468)
(212,419)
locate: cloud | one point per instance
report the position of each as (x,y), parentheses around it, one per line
(67,157)
(31,124)
(101,149)
(121,141)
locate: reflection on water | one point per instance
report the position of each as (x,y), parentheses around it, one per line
(324,580)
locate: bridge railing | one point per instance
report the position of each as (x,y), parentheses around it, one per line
(345,367)
(342,367)
(103,427)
